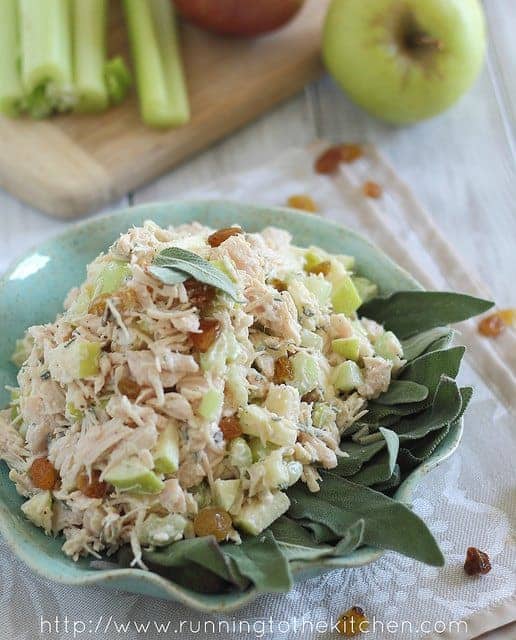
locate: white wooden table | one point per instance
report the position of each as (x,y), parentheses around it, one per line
(462,164)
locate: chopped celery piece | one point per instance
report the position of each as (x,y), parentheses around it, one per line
(367,290)
(388,346)
(166,452)
(345,297)
(157,60)
(88,353)
(132,475)
(38,510)
(211,404)
(347,376)
(314,256)
(225,492)
(258,449)
(236,385)
(159,531)
(257,515)
(283,433)
(202,495)
(15,404)
(239,453)
(73,412)
(89,53)
(11,90)
(320,288)
(46,56)
(112,276)
(348,348)
(117,78)
(307,373)
(323,415)
(311,340)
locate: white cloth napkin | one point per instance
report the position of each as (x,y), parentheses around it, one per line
(468,501)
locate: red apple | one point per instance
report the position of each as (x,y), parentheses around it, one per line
(239,17)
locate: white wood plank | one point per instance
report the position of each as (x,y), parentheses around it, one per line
(291,124)
(459,164)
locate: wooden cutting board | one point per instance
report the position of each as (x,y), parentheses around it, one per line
(73,164)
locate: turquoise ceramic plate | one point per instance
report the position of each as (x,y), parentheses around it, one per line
(32,293)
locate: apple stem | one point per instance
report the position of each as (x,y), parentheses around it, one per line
(422,41)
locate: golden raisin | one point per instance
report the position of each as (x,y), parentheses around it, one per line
(328,162)
(230,427)
(43,474)
(129,387)
(351,152)
(209,332)
(352,622)
(199,294)
(494,324)
(477,562)
(372,189)
(126,299)
(98,306)
(303,203)
(91,488)
(283,370)
(213,521)
(321,268)
(279,285)
(312,396)
(220,236)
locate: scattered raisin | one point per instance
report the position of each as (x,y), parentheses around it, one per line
(477,562)
(126,299)
(91,488)
(279,285)
(200,295)
(283,370)
(213,521)
(312,396)
(220,236)
(230,427)
(303,203)
(129,387)
(98,306)
(209,332)
(43,474)
(351,152)
(328,162)
(352,622)
(321,268)
(372,190)
(494,324)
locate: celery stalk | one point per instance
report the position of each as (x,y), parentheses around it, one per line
(46,61)
(89,53)
(154,43)
(11,90)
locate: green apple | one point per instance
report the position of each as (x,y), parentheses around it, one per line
(405,60)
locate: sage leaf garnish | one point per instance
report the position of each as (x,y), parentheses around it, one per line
(402,392)
(409,312)
(174,265)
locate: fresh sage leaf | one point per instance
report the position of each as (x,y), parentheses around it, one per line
(180,261)
(407,313)
(381,467)
(261,561)
(392,483)
(423,342)
(428,368)
(403,392)
(388,524)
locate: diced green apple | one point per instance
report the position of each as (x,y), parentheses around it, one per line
(283,400)
(166,452)
(320,288)
(307,372)
(211,404)
(388,346)
(226,492)
(159,531)
(38,510)
(294,469)
(367,290)
(347,376)
(275,470)
(74,360)
(348,348)
(257,515)
(258,422)
(112,276)
(132,475)
(311,340)
(237,385)
(345,297)
(239,453)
